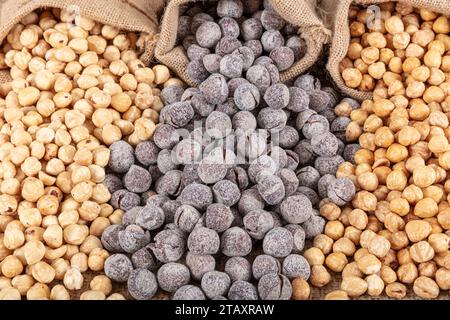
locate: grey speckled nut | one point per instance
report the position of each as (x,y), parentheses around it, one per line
(166,162)
(214,89)
(227,45)
(277,96)
(169,184)
(197,195)
(308,177)
(208,34)
(299,237)
(274,286)
(228,107)
(211,171)
(244,121)
(278,242)
(177,114)
(288,137)
(168,246)
(125,200)
(321,100)
(230,27)
(199,264)
(150,217)
(230,8)
(146,152)
(189,292)
(264,165)
(157,200)
(143,259)
(251,29)
(315,125)
(198,20)
(341,191)
(129,217)
(310,194)
(259,76)
(242,290)
(328,165)
(235,242)
(226,192)
(305,152)
(298,46)
(290,181)
(137,179)
(247,56)
(272,39)
(349,152)
(238,176)
(203,241)
(215,283)
(257,223)
(186,217)
(325,144)
(299,100)
(296,209)
(265,264)
(303,118)
(218,217)
(296,266)
(246,96)
(194,52)
(218,125)
(238,268)
(307,82)
(172,276)
(133,238)
(271,189)
(271,20)
(250,200)
(292,160)
(142,284)
(272,119)
(231,66)
(164,136)
(110,238)
(283,57)
(324,182)
(200,106)
(339,126)
(118,267)
(113,182)
(121,157)
(255,46)
(313,226)
(211,62)
(233,84)
(197,71)
(184,27)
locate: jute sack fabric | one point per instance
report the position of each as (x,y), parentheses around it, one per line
(129,15)
(298,12)
(336,19)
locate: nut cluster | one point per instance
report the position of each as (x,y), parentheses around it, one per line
(238,165)
(401,54)
(229,40)
(76,85)
(395,232)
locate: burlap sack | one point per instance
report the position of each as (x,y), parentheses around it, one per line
(336,13)
(130,15)
(298,12)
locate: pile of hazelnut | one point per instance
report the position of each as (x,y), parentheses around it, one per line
(394,235)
